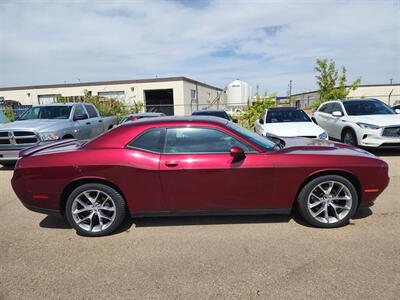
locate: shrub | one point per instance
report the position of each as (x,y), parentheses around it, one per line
(106,106)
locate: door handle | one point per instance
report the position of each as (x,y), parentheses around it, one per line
(100,121)
(87,123)
(171,163)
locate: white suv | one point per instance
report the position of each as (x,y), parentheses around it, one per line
(361,122)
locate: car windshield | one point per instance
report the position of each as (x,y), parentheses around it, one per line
(46,112)
(283,116)
(263,142)
(367,107)
(220,114)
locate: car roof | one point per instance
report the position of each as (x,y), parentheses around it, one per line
(283,108)
(144,114)
(208,111)
(349,100)
(61,104)
(184,119)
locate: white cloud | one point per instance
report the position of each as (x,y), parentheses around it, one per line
(266,43)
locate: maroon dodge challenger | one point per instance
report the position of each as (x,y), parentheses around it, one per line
(195,165)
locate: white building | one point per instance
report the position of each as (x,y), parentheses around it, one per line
(388,93)
(172,95)
(238,94)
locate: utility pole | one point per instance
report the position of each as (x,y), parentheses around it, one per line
(391,81)
(290,92)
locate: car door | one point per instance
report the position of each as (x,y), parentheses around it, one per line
(323,115)
(95,122)
(335,124)
(199,174)
(83,130)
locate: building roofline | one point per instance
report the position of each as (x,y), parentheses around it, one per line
(112,82)
(347,86)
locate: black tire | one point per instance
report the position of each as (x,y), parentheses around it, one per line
(349,137)
(118,201)
(302,201)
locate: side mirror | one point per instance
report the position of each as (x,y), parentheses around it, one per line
(237,153)
(261,121)
(337,114)
(80,117)
(234,120)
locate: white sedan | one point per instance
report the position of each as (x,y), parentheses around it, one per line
(288,122)
(361,122)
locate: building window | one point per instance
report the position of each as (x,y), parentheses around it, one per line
(193,94)
(119,95)
(47,99)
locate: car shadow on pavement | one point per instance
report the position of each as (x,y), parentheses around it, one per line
(59,222)
(54,222)
(209,220)
(384,152)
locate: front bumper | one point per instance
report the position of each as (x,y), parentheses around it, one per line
(374,140)
(9,155)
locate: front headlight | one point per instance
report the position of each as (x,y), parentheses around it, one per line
(48,136)
(368,126)
(323,136)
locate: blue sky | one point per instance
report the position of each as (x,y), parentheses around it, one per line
(262,42)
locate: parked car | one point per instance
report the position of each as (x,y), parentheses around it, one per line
(396,108)
(288,122)
(135,117)
(191,166)
(362,122)
(3,118)
(214,112)
(51,122)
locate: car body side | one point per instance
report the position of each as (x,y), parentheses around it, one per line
(265,180)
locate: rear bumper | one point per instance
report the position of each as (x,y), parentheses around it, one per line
(48,203)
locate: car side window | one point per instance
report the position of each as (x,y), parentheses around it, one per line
(79,110)
(337,107)
(201,140)
(327,108)
(149,141)
(91,111)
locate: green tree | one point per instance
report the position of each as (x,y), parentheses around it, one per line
(253,110)
(332,84)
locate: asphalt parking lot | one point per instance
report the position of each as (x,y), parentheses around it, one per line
(246,257)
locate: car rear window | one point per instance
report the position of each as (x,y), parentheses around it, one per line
(149,141)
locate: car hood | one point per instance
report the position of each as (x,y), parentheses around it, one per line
(290,129)
(379,120)
(36,125)
(321,147)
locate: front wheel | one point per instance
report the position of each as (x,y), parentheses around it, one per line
(95,209)
(349,137)
(328,201)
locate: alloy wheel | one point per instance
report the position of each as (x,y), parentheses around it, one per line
(349,139)
(93,210)
(329,202)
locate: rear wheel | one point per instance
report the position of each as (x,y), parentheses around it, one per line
(95,209)
(349,137)
(328,201)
